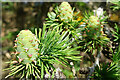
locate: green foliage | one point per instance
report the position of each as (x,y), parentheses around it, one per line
(116,33)
(55,48)
(92,33)
(62,16)
(116,55)
(116,5)
(116,59)
(33,60)
(107,71)
(110,70)
(23,70)
(51,15)
(54,45)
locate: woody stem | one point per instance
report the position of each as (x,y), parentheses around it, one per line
(96,63)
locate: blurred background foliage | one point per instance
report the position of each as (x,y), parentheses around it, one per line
(29,15)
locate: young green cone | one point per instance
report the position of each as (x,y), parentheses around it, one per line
(65,12)
(26,46)
(93,28)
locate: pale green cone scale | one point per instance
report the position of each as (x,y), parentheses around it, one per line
(26,46)
(93,29)
(94,21)
(65,12)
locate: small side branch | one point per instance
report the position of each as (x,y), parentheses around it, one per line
(91,69)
